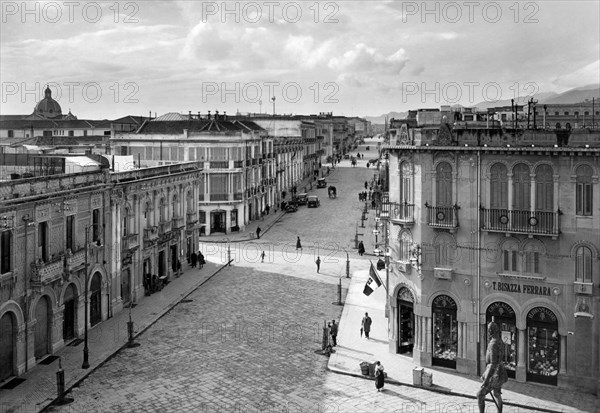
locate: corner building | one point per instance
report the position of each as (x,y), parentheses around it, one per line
(491,224)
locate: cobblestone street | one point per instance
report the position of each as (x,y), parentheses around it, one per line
(247,340)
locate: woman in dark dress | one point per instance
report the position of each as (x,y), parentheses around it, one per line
(298,244)
(379,376)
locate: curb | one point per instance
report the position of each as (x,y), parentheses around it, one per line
(448,393)
(167,309)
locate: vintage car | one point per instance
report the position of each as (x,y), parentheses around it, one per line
(321,183)
(291,208)
(313,201)
(302,199)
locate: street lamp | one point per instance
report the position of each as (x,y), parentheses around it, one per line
(86,363)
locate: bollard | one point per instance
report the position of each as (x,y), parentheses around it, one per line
(347,266)
(228,255)
(339,293)
(60,385)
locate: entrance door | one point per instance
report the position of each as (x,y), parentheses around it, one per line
(217,221)
(126,286)
(543,346)
(406,321)
(6,346)
(96,299)
(503,315)
(69,314)
(41,328)
(174,258)
(188,249)
(161,263)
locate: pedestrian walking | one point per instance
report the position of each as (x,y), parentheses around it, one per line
(298,244)
(359,197)
(318,262)
(258,230)
(194,259)
(366,184)
(361,248)
(267,208)
(366,325)
(333,331)
(262,256)
(201,260)
(379,376)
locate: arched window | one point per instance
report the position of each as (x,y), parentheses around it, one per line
(175,205)
(445,250)
(510,257)
(405,246)
(443,184)
(532,254)
(583,264)
(499,187)
(405,183)
(544,189)
(163,210)
(584,190)
(190,201)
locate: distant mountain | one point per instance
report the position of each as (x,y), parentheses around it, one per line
(380,120)
(576,95)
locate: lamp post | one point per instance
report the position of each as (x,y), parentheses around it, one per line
(86,363)
(347,265)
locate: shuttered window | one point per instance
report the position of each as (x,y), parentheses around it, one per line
(584,191)
(499,187)
(544,189)
(444,184)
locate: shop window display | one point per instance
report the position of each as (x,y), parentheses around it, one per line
(504,316)
(543,346)
(445,332)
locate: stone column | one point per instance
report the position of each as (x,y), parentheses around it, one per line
(563,355)
(428,344)
(56,331)
(521,373)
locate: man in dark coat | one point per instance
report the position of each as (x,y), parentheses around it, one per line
(201,260)
(258,230)
(361,248)
(366,325)
(194,259)
(333,331)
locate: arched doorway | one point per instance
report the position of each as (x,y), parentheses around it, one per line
(406,321)
(69,313)
(504,315)
(445,332)
(543,346)
(96,299)
(41,327)
(7,346)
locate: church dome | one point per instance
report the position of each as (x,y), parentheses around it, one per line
(48,107)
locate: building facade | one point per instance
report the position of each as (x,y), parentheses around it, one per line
(96,231)
(489,224)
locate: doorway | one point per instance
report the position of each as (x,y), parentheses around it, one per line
(406,321)
(161,263)
(41,328)
(96,299)
(69,313)
(7,336)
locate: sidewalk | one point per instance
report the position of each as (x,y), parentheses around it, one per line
(352,350)
(104,341)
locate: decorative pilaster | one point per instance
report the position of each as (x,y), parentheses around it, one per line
(521,374)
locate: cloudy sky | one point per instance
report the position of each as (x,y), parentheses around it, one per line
(107,59)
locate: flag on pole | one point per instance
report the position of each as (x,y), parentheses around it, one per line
(373,282)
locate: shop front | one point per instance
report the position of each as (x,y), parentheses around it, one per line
(543,346)
(445,332)
(406,321)
(504,315)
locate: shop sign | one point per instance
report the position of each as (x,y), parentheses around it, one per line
(523,289)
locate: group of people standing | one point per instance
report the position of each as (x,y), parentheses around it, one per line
(197,259)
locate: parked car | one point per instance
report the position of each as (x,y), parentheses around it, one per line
(291,208)
(313,201)
(302,199)
(321,183)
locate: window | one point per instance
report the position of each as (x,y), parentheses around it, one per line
(405,183)
(162,210)
(586,113)
(499,187)
(125,228)
(405,247)
(84,133)
(583,265)
(147,220)
(43,241)
(521,188)
(443,184)
(6,247)
(544,189)
(510,257)
(71,133)
(70,232)
(96,225)
(11,133)
(175,206)
(556,113)
(566,113)
(583,191)
(445,250)
(532,254)
(576,113)
(202,217)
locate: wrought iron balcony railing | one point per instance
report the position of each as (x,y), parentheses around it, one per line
(442,216)
(403,213)
(521,222)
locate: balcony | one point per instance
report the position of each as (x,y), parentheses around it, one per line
(402,213)
(164,227)
(219,164)
(192,217)
(177,222)
(442,216)
(75,260)
(521,222)
(150,234)
(44,273)
(129,242)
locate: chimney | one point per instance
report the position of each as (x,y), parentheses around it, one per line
(209,115)
(224,115)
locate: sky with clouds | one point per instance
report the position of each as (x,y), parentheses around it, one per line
(110,59)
